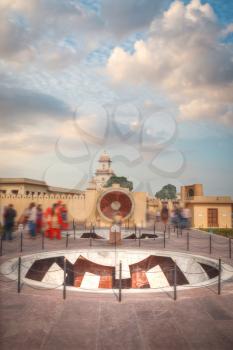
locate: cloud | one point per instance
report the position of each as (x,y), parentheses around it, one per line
(186,57)
(125,16)
(29,28)
(19,107)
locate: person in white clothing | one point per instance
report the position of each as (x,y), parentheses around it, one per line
(32,219)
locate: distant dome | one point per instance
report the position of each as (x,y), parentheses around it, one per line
(104,158)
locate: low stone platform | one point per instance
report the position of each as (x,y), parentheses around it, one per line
(42,319)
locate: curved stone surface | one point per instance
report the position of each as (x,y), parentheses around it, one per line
(142,270)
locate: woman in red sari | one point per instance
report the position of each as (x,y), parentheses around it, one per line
(48,217)
(56,218)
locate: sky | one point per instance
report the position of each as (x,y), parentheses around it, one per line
(150,82)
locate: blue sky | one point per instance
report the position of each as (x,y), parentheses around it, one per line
(150,82)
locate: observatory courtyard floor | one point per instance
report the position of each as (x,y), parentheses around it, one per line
(39,318)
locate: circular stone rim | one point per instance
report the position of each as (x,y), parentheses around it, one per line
(225,275)
(115,190)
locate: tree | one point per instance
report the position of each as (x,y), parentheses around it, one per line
(121,180)
(167,192)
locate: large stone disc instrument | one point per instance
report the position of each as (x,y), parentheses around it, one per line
(115,203)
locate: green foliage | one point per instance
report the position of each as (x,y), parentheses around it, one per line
(121,180)
(167,192)
(226,232)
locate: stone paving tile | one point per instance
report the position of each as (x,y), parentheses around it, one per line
(118,328)
(226,329)
(28,325)
(75,328)
(217,311)
(158,329)
(198,326)
(199,319)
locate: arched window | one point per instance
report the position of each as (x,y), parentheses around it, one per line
(190,192)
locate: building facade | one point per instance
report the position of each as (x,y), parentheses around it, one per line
(207,211)
(100,205)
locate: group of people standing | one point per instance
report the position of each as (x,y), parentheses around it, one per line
(33,220)
(179,217)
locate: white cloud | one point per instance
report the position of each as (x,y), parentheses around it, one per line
(186,59)
(125,16)
(35,30)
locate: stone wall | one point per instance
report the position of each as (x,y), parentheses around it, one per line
(76,204)
(200,215)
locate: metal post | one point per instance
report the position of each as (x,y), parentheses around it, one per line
(169,231)
(74,229)
(174,281)
(187,240)
(164,239)
(64,283)
(219,275)
(139,238)
(210,241)
(19,275)
(154,229)
(135,232)
(177,231)
(42,243)
(67,238)
(120,284)
(230,247)
(1,247)
(21,242)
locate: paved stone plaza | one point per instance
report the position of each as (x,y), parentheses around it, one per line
(42,319)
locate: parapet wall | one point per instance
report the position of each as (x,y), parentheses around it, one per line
(76,204)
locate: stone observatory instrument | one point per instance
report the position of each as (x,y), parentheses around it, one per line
(115,203)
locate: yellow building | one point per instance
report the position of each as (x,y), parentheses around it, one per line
(207,211)
(23,186)
(100,206)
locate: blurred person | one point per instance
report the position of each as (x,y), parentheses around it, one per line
(157,216)
(185,218)
(51,221)
(64,217)
(4,217)
(39,218)
(177,216)
(173,217)
(24,217)
(9,222)
(164,214)
(48,222)
(55,222)
(32,220)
